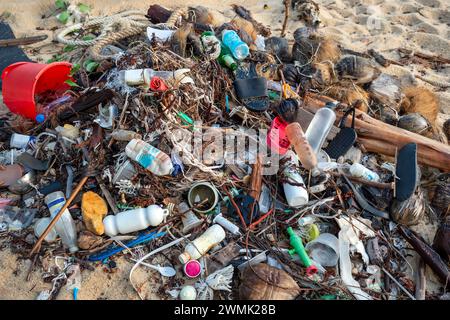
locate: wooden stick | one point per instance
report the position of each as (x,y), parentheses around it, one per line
(22,41)
(256,178)
(287,4)
(380,137)
(421,281)
(108,196)
(37,245)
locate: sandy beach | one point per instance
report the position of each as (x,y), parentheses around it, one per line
(383,25)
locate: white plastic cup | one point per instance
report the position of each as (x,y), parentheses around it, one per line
(19,141)
(324,250)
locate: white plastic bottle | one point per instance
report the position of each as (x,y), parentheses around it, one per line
(143,76)
(125,135)
(149,157)
(296,196)
(65,226)
(320,126)
(133,220)
(359,171)
(197,248)
(228,225)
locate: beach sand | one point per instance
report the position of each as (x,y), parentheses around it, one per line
(383,25)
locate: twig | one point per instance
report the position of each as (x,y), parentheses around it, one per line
(287,4)
(398,284)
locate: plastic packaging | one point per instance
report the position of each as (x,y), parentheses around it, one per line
(211,44)
(276,138)
(10,174)
(65,226)
(125,135)
(238,48)
(303,149)
(228,225)
(197,248)
(324,250)
(14,218)
(149,157)
(320,126)
(296,195)
(20,141)
(359,171)
(133,220)
(69,131)
(41,225)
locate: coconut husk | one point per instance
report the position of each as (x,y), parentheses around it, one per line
(348,93)
(263,282)
(420,100)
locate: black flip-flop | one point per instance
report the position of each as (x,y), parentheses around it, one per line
(406,172)
(345,138)
(251,89)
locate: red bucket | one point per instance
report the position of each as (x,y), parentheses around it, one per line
(23,80)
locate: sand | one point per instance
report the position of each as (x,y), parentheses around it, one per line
(383,25)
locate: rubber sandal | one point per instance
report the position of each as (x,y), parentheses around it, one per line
(345,138)
(406,172)
(251,89)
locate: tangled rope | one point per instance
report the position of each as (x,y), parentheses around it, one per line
(112,28)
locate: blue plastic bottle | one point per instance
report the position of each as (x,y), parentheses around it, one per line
(238,48)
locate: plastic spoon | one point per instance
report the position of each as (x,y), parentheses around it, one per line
(164,271)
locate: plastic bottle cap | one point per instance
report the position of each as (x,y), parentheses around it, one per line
(188,293)
(40,118)
(192,269)
(184,257)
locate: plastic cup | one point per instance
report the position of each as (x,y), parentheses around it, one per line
(324,250)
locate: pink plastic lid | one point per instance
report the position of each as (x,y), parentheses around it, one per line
(192,269)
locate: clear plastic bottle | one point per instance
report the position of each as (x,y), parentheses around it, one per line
(320,126)
(197,248)
(65,226)
(149,157)
(133,220)
(303,149)
(238,48)
(276,138)
(359,171)
(125,135)
(138,77)
(296,195)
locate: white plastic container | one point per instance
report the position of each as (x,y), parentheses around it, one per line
(149,157)
(20,141)
(143,76)
(359,171)
(189,219)
(41,225)
(197,248)
(296,196)
(125,135)
(65,226)
(133,220)
(319,128)
(228,225)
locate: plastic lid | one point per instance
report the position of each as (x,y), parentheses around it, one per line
(192,269)
(331,105)
(40,118)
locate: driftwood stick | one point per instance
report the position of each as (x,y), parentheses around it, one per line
(256,178)
(380,137)
(287,5)
(421,281)
(22,41)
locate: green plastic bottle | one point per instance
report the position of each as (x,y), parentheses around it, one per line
(299,249)
(226,59)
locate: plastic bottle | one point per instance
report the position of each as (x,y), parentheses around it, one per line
(149,157)
(133,220)
(228,225)
(303,149)
(65,226)
(226,58)
(211,237)
(211,44)
(47,110)
(125,135)
(40,226)
(296,196)
(276,138)
(238,48)
(359,171)
(20,141)
(144,76)
(320,126)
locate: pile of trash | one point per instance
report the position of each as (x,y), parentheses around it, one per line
(257,167)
